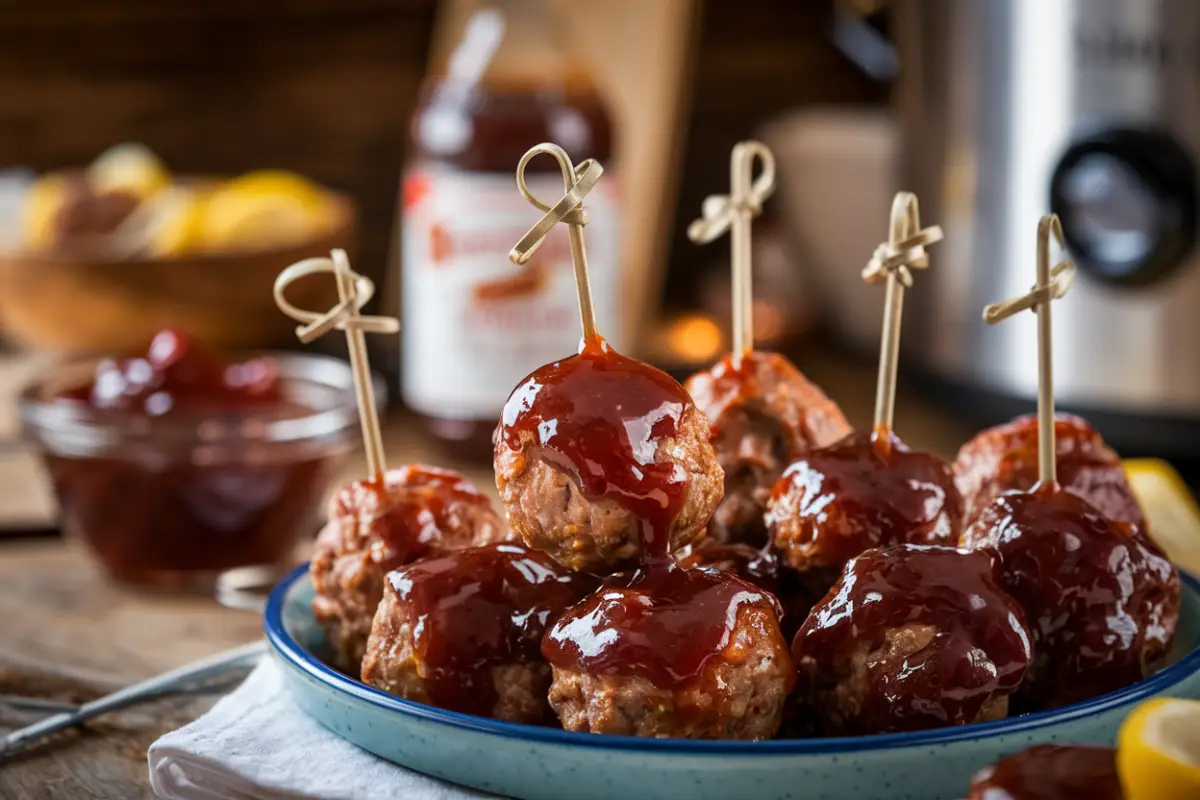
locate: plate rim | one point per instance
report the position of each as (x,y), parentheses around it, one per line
(292,652)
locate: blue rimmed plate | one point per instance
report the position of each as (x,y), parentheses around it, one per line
(548,764)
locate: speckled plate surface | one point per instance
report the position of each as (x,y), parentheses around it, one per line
(547,764)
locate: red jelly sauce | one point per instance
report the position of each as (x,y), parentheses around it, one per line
(481,607)
(666,625)
(980,646)
(415,505)
(1050,772)
(868,490)
(599,416)
(1102,602)
(177,374)
(171,506)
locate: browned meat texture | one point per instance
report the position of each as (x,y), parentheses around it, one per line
(740,695)
(377,526)
(393,665)
(764,416)
(1005,458)
(548,509)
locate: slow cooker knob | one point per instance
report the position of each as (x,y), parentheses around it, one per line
(1127,201)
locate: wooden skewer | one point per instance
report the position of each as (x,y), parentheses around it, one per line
(578,181)
(1052,283)
(892,261)
(354,291)
(734,212)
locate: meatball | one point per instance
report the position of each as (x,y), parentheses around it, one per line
(912,637)
(1005,458)
(600,459)
(1050,772)
(1102,602)
(463,631)
(375,526)
(863,492)
(764,416)
(677,653)
(753,565)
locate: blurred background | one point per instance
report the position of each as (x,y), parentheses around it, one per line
(164,161)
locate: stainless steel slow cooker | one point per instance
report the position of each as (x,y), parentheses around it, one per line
(1089,108)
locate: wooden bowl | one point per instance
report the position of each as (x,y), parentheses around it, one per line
(79,303)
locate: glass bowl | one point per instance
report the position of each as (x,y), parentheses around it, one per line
(172,501)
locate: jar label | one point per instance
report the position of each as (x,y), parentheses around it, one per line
(474,323)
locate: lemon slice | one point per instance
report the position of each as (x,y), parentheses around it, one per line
(262,209)
(128,167)
(1171,512)
(42,202)
(1158,751)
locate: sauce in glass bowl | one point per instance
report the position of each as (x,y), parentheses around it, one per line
(179,463)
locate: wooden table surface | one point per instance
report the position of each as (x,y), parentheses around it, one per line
(68,633)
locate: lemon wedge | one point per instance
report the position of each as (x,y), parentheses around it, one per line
(1172,514)
(1158,751)
(128,167)
(262,209)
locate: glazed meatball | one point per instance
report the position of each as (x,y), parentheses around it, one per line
(693,654)
(1102,602)
(1050,772)
(758,566)
(463,631)
(377,525)
(1005,458)
(764,416)
(863,492)
(911,637)
(600,458)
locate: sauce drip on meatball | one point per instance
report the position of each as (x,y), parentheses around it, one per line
(1050,772)
(868,490)
(413,521)
(1102,602)
(912,637)
(666,624)
(1005,458)
(474,609)
(599,416)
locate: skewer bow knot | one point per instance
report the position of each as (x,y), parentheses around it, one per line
(746,196)
(355,291)
(577,180)
(905,248)
(1060,277)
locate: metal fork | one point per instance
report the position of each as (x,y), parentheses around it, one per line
(243,656)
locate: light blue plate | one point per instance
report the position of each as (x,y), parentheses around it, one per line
(547,764)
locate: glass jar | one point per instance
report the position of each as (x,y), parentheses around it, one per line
(475,324)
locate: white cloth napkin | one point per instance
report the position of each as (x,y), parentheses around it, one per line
(256,744)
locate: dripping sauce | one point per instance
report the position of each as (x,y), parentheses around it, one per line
(955,592)
(868,490)
(599,417)
(477,608)
(412,509)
